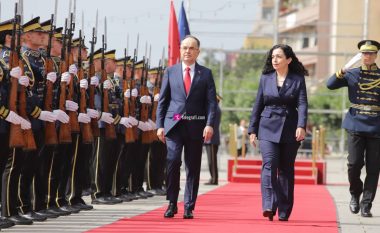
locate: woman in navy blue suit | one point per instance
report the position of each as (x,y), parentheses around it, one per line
(278,120)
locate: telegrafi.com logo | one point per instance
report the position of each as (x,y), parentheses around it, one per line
(177,117)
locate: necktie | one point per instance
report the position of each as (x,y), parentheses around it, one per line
(187,80)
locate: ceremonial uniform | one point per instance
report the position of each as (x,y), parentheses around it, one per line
(362,125)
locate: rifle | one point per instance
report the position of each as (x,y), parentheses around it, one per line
(74,124)
(16,138)
(51,137)
(144,111)
(91,73)
(64,129)
(110,128)
(132,104)
(129,135)
(156,90)
(30,143)
(86,128)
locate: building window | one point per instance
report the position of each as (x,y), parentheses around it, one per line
(305,42)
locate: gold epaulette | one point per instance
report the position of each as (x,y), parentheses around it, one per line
(339,74)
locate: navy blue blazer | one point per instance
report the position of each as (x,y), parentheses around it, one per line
(197,108)
(277,114)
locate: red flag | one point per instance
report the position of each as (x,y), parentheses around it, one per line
(174,43)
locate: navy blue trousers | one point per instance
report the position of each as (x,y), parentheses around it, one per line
(277,176)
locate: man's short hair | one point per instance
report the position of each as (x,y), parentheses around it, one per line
(193,37)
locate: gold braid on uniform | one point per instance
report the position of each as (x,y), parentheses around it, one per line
(4,112)
(371,85)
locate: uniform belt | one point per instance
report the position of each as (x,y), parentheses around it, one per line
(366,107)
(278,106)
(113,106)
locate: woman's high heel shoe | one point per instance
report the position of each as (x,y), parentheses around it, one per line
(268,213)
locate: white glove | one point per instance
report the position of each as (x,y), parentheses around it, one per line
(47,116)
(148,126)
(13,118)
(92,113)
(73,69)
(156,97)
(25,124)
(24,81)
(94,81)
(66,77)
(15,72)
(106,117)
(71,106)
(134,92)
(152,124)
(127,93)
(83,84)
(51,76)
(352,61)
(145,99)
(133,121)
(107,84)
(143,126)
(61,116)
(83,118)
(126,122)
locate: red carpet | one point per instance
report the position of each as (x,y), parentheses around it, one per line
(236,208)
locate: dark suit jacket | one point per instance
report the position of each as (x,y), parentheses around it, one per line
(199,105)
(277,114)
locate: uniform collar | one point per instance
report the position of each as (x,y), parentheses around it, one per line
(371,67)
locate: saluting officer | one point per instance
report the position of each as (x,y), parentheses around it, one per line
(362,124)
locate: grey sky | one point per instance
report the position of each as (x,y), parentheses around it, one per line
(149,18)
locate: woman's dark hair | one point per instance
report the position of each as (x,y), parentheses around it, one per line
(295,65)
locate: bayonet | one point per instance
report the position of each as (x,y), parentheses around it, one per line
(55,12)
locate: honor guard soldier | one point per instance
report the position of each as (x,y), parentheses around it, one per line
(124,163)
(35,161)
(157,155)
(362,124)
(79,164)
(140,152)
(105,154)
(11,159)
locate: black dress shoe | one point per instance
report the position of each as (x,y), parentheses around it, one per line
(34,216)
(141,195)
(44,213)
(104,201)
(283,219)
(19,220)
(188,214)
(354,205)
(125,198)
(148,194)
(211,183)
(268,213)
(171,211)
(59,211)
(5,223)
(70,208)
(365,211)
(82,206)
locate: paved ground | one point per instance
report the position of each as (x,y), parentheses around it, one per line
(102,214)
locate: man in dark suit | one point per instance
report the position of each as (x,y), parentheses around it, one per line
(185,119)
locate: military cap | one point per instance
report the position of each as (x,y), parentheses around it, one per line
(7,26)
(110,54)
(153,70)
(120,61)
(75,43)
(58,33)
(32,25)
(97,54)
(368,46)
(139,64)
(46,26)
